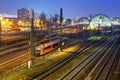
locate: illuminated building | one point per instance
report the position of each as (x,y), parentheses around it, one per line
(25,13)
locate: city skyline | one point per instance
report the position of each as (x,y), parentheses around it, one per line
(71,9)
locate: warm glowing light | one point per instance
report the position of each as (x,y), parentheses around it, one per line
(10,23)
(19,22)
(92,26)
(1,17)
(7,20)
(83,28)
(88,28)
(3,22)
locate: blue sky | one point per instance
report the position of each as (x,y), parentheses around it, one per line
(71,8)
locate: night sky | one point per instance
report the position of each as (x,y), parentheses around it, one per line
(71,8)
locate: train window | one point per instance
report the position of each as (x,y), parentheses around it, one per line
(56,45)
(47,47)
(37,51)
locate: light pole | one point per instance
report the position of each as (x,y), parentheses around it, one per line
(32,43)
(50,30)
(90,32)
(111,28)
(98,29)
(61,19)
(83,30)
(0,30)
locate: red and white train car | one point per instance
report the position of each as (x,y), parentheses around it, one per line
(51,45)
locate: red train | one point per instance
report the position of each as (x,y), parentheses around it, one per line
(51,45)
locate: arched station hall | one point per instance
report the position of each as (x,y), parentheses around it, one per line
(100,21)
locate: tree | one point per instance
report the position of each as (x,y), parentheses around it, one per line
(43,21)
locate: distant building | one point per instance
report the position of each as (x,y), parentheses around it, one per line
(25,13)
(8,15)
(37,16)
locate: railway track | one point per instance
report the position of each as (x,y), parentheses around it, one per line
(109,69)
(115,70)
(13,64)
(81,72)
(6,63)
(106,70)
(17,44)
(44,73)
(13,45)
(63,62)
(98,69)
(80,68)
(21,45)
